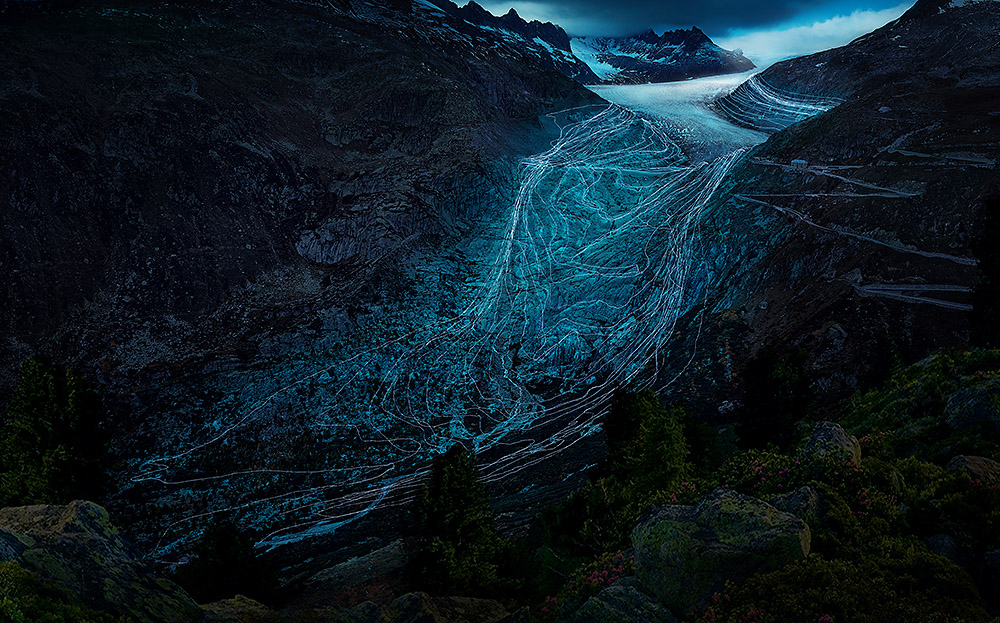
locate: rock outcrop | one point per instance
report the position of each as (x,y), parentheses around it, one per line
(76,550)
(803,502)
(684,554)
(622,602)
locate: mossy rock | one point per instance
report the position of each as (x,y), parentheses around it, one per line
(803,502)
(830,439)
(684,554)
(76,551)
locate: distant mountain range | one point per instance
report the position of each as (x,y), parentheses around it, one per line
(646,57)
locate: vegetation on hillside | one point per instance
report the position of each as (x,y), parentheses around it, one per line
(877,527)
(24,600)
(52,447)
(874,521)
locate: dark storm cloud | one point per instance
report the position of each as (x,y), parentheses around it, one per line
(619,17)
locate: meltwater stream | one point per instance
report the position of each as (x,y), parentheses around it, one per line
(522,333)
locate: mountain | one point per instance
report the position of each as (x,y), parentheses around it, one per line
(648,57)
(547,43)
(855,236)
(202,198)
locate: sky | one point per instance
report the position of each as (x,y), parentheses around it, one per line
(765,30)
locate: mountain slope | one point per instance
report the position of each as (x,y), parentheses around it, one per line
(203,198)
(854,232)
(951,44)
(648,57)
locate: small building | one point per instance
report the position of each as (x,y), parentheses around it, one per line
(799,164)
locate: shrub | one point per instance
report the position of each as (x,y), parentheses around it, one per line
(776,395)
(589,580)
(966,509)
(646,466)
(858,503)
(905,417)
(916,587)
(23,599)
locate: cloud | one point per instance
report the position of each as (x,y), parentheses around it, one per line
(623,17)
(764,47)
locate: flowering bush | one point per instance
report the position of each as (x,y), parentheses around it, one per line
(588,581)
(913,587)
(858,501)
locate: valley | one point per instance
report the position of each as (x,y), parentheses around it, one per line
(307,249)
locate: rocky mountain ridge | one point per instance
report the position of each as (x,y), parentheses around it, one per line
(547,42)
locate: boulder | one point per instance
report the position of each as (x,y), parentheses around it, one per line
(974,405)
(684,554)
(78,552)
(622,602)
(986,471)
(830,438)
(803,502)
(945,545)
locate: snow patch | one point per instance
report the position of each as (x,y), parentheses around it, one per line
(584,50)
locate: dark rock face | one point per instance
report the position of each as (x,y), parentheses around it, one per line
(648,57)
(933,42)
(237,608)
(684,554)
(359,579)
(214,189)
(850,235)
(75,549)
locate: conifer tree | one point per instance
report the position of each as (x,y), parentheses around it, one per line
(460,548)
(52,449)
